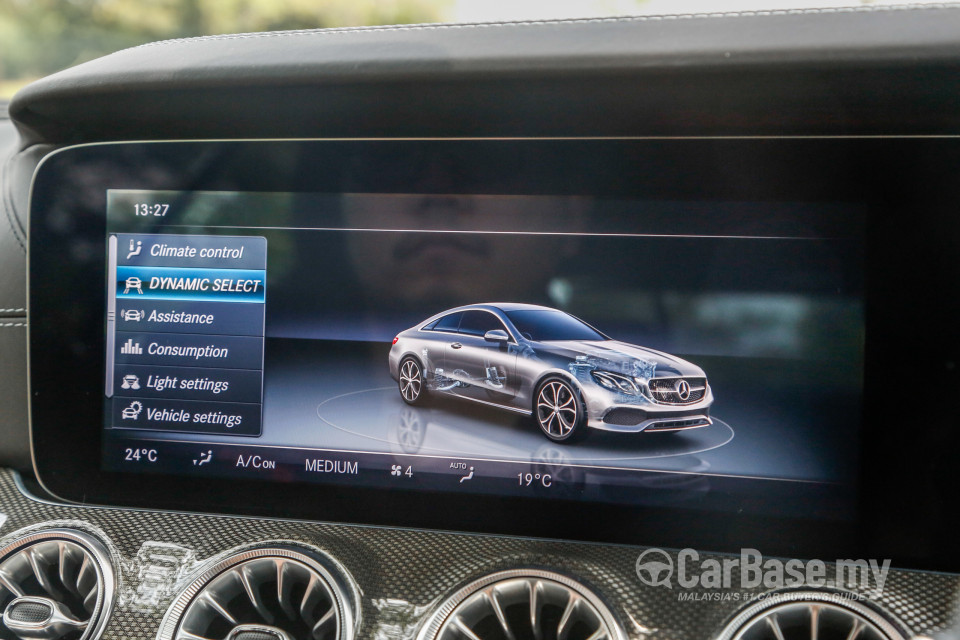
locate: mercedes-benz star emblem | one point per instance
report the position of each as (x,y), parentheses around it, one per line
(683,389)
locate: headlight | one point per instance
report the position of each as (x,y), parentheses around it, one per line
(616,382)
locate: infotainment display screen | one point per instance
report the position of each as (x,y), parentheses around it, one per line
(487,334)
(588,348)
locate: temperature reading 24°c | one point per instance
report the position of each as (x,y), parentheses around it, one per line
(527,479)
(138,455)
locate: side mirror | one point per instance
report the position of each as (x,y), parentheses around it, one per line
(496,335)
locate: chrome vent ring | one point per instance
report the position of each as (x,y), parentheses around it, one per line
(810,615)
(523,604)
(55,584)
(277,593)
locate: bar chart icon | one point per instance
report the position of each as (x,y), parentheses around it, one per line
(131,348)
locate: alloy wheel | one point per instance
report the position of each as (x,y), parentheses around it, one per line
(411,381)
(557,410)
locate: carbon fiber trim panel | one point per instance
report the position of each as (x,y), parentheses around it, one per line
(402,574)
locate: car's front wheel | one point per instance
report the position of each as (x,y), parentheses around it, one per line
(411,381)
(559,411)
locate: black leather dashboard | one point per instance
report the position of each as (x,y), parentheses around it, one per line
(14,181)
(884,71)
(859,71)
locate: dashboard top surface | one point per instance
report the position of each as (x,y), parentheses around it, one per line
(757,73)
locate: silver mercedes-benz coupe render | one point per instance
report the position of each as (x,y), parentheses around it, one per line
(546,363)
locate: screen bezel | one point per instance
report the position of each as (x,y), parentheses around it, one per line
(67,461)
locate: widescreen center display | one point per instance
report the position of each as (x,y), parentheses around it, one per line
(704,353)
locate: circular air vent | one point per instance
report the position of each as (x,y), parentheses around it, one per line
(54,585)
(810,615)
(264,594)
(523,605)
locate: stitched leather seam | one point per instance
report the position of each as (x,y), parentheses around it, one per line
(8,205)
(12,324)
(538,23)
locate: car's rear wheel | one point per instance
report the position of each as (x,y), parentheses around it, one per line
(411,382)
(559,411)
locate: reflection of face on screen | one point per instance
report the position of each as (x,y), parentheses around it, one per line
(453,268)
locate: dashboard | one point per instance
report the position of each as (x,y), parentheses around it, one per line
(588,330)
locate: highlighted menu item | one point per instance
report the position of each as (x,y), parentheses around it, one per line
(185,329)
(210,285)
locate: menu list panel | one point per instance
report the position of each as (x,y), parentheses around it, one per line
(185,333)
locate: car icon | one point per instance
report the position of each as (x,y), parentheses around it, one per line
(133,282)
(132,315)
(545,363)
(132,412)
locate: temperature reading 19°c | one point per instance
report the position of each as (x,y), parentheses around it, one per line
(140,455)
(543,479)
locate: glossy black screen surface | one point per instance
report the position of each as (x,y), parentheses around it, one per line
(263,368)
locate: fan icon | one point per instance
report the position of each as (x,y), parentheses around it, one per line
(396,470)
